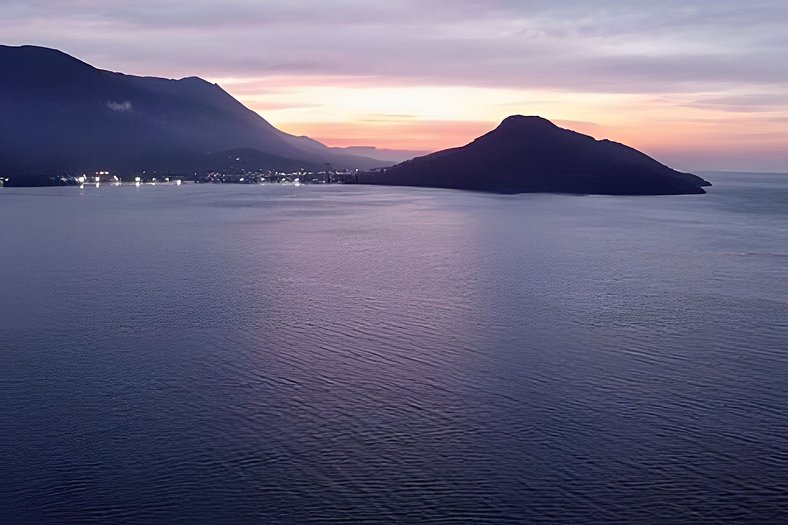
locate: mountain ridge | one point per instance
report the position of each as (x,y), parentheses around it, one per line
(58,112)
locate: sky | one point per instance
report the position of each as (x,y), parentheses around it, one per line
(697,84)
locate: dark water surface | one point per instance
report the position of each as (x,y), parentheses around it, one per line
(233,354)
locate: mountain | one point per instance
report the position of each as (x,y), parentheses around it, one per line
(58,113)
(387,155)
(531,154)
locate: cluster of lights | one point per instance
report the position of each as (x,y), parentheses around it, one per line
(85,179)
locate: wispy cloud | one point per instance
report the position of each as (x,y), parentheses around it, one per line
(747,102)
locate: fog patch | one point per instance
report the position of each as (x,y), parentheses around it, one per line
(122,107)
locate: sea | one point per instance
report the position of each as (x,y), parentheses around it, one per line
(361,354)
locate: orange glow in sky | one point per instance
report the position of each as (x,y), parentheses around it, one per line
(695,130)
(696,83)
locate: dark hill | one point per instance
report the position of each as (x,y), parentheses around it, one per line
(230,161)
(531,154)
(58,113)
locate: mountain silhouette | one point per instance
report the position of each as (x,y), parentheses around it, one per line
(531,154)
(58,113)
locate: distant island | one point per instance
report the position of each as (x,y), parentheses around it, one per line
(533,155)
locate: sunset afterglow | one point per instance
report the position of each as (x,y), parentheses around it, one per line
(699,84)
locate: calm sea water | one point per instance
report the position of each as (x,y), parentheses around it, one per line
(230,354)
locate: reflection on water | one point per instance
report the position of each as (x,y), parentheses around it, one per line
(328,353)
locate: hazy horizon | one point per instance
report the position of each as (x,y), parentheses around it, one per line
(697,86)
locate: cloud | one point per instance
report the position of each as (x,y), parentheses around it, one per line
(120,107)
(606,45)
(746,102)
